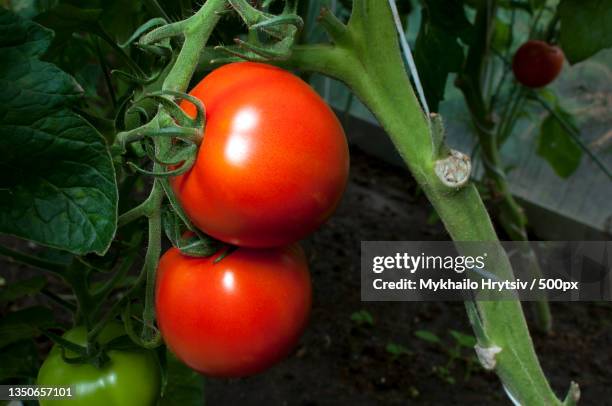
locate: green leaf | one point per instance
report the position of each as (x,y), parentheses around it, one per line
(585,27)
(449,16)
(437,51)
(433,218)
(397,349)
(24,324)
(22,288)
(428,336)
(465,340)
(536,4)
(66,19)
(75,56)
(548,95)
(436,54)
(32,89)
(363,317)
(19,360)
(184,386)
(53,255)
(23,37)
(556,146)
(121,18)
(57,181)
(58,184)
(529,6)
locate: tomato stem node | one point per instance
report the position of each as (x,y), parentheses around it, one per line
(487,355)
(337,31)
(454,170)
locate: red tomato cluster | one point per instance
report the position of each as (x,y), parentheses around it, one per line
(272,167)
(537,63)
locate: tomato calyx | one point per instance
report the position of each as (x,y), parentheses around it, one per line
(225,253)
(117,372)
(93,353)
(171,142)
(180,134)
(186,237)
(195,243)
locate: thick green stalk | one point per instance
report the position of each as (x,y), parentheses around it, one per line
(377,76)
(197,31)
(510,213)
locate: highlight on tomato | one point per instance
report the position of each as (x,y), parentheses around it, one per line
(237,316)
(537,63)
(273,163)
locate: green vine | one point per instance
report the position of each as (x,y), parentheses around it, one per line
(171,138)
(377,76)
(490,135)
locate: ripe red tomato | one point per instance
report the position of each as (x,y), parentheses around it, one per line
(235,317)
(274,160)
(537,63)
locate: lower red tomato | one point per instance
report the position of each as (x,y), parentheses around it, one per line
(237,316)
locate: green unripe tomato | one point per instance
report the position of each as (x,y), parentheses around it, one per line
(131,377)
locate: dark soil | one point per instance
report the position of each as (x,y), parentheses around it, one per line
(343,362)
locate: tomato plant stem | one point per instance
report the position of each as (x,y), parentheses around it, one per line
(77,277)
(114,310)
(102,293)
(509,117)
(197,31)
(150,336)
(62,302)
(511,215)
(101,32)
(377,76)
(136,212)
(31,260)
(106,72)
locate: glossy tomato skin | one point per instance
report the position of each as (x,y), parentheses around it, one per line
(537,63)
(129,378)
(274,160)
(235,317)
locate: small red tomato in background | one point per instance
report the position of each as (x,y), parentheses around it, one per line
(235,317)
(537,63)
(273,163)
